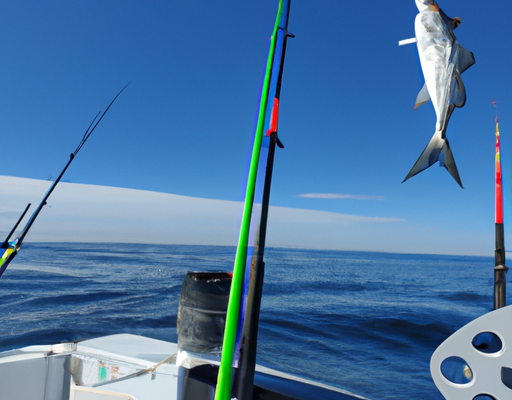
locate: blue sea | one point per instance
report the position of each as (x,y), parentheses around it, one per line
(362,321)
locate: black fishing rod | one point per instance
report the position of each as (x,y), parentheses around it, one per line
(255,269)
(218,315)
(12,247)
(5,244)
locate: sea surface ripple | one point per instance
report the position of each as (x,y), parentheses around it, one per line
(362,321)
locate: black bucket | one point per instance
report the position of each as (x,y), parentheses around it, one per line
(201,320)
(202,312)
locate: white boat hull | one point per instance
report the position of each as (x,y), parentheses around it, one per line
(127,367)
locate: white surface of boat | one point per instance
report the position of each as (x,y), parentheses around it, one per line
(124,366)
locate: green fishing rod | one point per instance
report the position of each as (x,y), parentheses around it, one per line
(224,379)
(247,335)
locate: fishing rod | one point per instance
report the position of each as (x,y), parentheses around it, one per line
(500,269)
(5,244)
(255,265)
(12,247)
(245,293)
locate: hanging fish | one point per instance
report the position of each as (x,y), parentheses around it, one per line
(443,61)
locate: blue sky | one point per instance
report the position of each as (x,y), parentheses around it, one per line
(184,125)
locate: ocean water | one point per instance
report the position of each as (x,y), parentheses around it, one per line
(365,322)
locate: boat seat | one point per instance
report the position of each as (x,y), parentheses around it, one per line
(475,362)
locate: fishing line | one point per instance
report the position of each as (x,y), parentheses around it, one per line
(89,131)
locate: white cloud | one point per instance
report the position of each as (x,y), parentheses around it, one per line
(88,213)
(77,212)
(340,196)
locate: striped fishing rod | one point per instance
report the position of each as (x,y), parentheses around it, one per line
(500,269)
(11,247)
(244,299)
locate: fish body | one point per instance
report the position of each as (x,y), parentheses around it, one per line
(443,60)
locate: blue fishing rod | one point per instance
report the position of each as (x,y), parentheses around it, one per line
(12,247)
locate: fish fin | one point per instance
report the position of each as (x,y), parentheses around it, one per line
(423,97)
(437,149)
(458,96)
(463,59)
(446,160)
(451,23)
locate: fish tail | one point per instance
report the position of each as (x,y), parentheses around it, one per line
(438,149)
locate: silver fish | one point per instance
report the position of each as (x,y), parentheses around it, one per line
(443,60)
